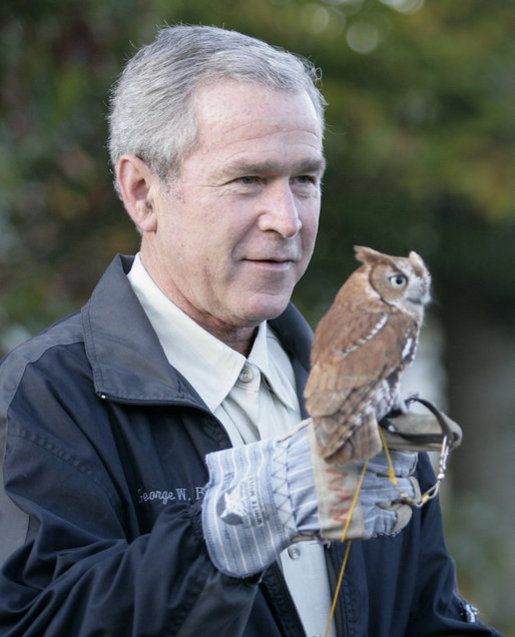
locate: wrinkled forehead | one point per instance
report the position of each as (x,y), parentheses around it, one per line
(246,102)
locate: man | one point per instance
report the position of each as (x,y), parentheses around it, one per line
(155,476)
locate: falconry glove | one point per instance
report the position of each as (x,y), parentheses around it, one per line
(411,431)
(263,496)
(422,432)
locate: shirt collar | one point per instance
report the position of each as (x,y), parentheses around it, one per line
(274,364)
(211,366)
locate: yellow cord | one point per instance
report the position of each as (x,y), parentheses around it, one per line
(347,550)
(338,585)
(393,477)
(391,470)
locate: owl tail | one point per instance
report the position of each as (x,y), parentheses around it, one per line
(364,442)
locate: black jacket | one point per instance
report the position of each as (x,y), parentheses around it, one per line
(103,479)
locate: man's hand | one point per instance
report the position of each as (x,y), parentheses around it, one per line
(263,496)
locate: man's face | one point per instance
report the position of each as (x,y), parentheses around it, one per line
(237,230)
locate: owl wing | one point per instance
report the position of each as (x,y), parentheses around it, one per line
(353,354)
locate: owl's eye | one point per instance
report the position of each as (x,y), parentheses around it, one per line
(398,281)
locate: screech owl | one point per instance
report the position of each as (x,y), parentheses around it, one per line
(361,346)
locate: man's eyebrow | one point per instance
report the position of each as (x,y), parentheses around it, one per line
(310,165)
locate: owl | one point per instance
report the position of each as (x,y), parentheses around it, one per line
(361,346)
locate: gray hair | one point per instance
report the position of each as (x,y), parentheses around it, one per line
(152,114)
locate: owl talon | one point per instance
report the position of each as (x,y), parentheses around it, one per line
(420,432)
(389,426)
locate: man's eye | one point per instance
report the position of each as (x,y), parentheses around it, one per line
(306,184)
(306,179)
(248,180)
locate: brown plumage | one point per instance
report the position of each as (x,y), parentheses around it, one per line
(368,336)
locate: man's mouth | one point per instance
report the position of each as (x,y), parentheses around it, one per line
(273,263)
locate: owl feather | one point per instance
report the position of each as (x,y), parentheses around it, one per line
(361,346)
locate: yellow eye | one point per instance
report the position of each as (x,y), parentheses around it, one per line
(398,281)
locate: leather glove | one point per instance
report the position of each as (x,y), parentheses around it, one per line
(380,508)
(420,432)
(263,496)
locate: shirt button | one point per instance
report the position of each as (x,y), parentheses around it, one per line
(246,374)
(294,552)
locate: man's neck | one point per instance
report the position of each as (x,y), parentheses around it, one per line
(238,337)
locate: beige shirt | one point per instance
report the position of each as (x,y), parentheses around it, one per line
(254,398)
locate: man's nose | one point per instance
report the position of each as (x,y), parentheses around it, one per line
(278,210)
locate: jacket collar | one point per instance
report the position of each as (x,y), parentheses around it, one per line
(127,360)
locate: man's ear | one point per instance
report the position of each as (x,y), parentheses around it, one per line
(135,180)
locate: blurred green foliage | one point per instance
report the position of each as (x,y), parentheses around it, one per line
(481,544)
(419,144)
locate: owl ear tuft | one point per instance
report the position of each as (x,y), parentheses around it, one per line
(416,259)
(368,255)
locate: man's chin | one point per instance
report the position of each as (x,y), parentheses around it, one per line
(264,311)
